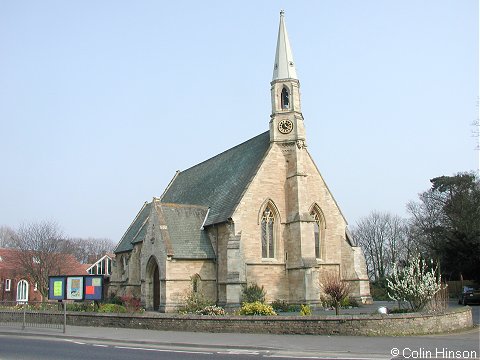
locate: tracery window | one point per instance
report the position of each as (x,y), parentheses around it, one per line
(318,232)
(285,98)
(268,233)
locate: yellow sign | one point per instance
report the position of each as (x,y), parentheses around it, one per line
(57,288)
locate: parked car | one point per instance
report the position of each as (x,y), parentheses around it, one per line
(469,295)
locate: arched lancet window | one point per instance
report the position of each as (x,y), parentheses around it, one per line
(268,233)
(318,232)
(22,291)
(285,98)
(196,283)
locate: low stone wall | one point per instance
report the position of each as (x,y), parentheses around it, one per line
(370,325)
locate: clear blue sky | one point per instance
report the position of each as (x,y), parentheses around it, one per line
(102,101)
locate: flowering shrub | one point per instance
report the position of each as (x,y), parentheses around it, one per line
(256,308)
(194,302)
(305,310)
(132,304)
(211,310)
(416,283)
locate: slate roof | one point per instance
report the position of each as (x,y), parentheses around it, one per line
(183,228)
(213,187)
(218,183)
(136,231)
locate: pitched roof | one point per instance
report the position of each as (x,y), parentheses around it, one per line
(183,228)
(136,231)
(218,183)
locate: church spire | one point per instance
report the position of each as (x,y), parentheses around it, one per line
(286,120)
(284,67)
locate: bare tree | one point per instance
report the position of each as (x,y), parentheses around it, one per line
(40,246)
(336,289)
(384,240)
(88,250)
(7,237)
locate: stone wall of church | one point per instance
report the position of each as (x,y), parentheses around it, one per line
(125,278)
(273,277)
(294,273)
(181,274)
(221,234)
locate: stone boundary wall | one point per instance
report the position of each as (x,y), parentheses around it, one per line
(369,325)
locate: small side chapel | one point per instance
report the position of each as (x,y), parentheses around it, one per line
(259,212)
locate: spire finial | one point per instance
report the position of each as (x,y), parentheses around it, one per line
(284,67)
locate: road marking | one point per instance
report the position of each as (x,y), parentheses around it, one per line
(164,350)
(99,345)
(75,342)
(238,352)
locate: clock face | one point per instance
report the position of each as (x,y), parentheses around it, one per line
(285,126)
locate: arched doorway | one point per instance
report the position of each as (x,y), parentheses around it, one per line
(156,288)
(152,290)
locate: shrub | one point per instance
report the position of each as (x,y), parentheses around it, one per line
(193,302)
(294,308)
(114,299)
(132,304)
(112,308)
(336,290)
(280,305)
(81,306)
(348,302)
(305,310)
(211,310)
(253,293)
(256,308)
(399,311)
(378,293)
(417,283)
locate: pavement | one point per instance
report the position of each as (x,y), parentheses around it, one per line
(352,346)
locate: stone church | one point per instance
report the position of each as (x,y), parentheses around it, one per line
(259,212)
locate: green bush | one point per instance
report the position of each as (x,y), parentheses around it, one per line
(253,293)
(114,299)
(112,308)
(378,292)
(294,308)
(305,310)
(399,311)
(281,306)
(193,302)
(211,310)
(81,306)
(256,308)
(348,302)
(326,302)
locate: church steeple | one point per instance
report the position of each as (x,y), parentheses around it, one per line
(286,122)
(284,67)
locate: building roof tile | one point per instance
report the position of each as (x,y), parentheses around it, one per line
(219,182)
